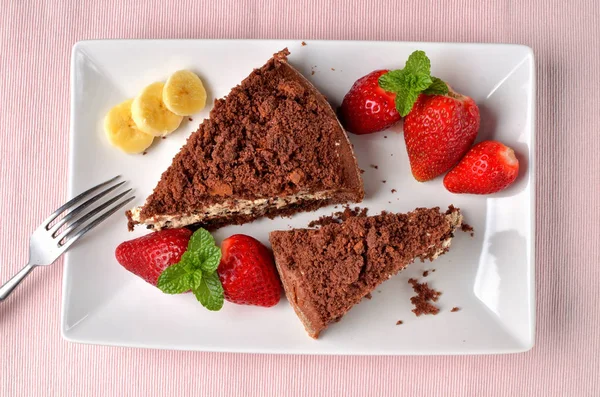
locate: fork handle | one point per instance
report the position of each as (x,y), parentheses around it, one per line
(11,284)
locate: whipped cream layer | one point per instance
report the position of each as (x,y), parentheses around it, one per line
(228,207)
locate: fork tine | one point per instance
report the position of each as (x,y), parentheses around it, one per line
(93,224)
(79,222)
(83,206)
(75,200)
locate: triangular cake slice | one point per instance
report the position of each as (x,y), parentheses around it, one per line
(326,271)
(273,146)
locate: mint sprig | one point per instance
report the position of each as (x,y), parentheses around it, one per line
(196,271)
(411,81)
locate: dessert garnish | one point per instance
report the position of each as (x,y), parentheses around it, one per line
(438,131)
(122,132)
(184,94)
(196,271)
(367,107)
(157,111)
(148,256)
(247,272)
(488,167)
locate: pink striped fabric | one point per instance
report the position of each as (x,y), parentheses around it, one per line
(35,43)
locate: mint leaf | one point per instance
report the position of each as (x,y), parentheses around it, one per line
(195,279)
(210,256)
(190,261)
(174,279)
(437,87)
(418,63)
(392,81)
(210,292)
(196,271)
(411,81)
(199,239)
(405,99)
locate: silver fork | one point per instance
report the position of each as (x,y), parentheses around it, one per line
(48,242)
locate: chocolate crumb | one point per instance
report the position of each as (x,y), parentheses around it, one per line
(426,273)
(368,296)
(190,119)
(385,136)
(303,43)
(312,73)
(454,309)
(392,154)
(340,216)
(389,202)
(361,170)
(399,322)
(145,153)
(384,181)
(333,69)
(432,270)
(374,166)
(394,190)
(164,137)
(424,296)
(465,227)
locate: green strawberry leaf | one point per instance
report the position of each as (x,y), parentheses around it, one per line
(200,238)
(411,81)
(210,256)
(437,87)
(210,292)
(174,279)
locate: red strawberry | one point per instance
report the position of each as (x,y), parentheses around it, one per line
(438,131)
(248,273)
(367,108)
(487,168)
(149,255)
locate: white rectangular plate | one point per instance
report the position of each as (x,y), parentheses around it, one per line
(490,276)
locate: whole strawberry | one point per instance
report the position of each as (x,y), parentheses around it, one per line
(438,131)
(248,273)
(149,255)
(487,168)
(367,107)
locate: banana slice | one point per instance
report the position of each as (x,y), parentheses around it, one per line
(184,93)
(122,132)
(150,113)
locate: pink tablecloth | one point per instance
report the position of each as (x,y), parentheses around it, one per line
(35,43)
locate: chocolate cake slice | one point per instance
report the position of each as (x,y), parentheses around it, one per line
(273,146)
(326,271)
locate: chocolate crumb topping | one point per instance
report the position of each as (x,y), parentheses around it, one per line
(399,322)
(455,309)
(340,216)
(422,301)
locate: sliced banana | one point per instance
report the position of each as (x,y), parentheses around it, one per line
(150,113)
(122,132)
(184,93)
